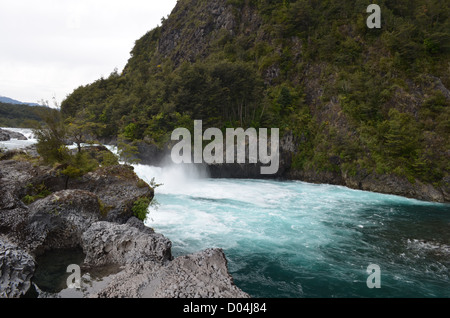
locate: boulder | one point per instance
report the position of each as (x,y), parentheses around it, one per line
(200,275)
(118,187)
(59,220)
(6,135)
(106,243)
(14,176)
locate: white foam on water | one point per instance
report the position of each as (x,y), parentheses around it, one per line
(304,228)
(228,212)
(19,144)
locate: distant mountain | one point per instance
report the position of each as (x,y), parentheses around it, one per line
(8,100)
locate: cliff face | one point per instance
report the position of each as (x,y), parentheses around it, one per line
(360,107)
(186,36)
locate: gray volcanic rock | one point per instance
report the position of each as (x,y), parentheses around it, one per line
(106,243)
(6,135)
(203,274)
(16,270)
(14,175)
(59,220)
(118,187)
(200,275)
(147,267)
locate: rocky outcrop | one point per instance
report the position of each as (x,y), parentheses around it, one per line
(106,243)
(110,192)
(6,135)
(14,177)
(200,275)
(59,220)
(16,270)
(387,184)
(393,184)
(117,187)
(95,214)
(187,44)
(148,268)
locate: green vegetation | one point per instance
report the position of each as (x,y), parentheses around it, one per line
(35,192)
(78,165)
(140,208)
(355,99)
(53,135)
(81,129)
(19,116)
(104,210)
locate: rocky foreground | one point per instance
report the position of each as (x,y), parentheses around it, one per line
(95,214)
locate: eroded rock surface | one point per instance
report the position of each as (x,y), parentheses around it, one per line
(16,270)
(106,243)
(200,275)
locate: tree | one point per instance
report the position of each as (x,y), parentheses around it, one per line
(51,136)
(127,150)
(82,128)
(402,137)
(78,165)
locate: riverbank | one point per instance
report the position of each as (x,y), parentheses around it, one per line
(150,154)
(95,214)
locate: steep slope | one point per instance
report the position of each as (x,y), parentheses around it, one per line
(367,108)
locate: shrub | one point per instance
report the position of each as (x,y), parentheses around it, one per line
(35,192)
(51,138)
(140,208)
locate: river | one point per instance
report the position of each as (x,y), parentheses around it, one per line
(290,239)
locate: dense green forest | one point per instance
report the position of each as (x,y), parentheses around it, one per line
(355,99)
(20,116)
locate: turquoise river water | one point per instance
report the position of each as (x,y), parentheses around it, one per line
(290,239)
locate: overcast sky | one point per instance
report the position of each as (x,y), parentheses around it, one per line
(50,47)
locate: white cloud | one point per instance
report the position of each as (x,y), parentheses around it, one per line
(50,47)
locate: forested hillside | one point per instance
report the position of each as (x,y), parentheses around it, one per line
(20,116)
(357,101)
